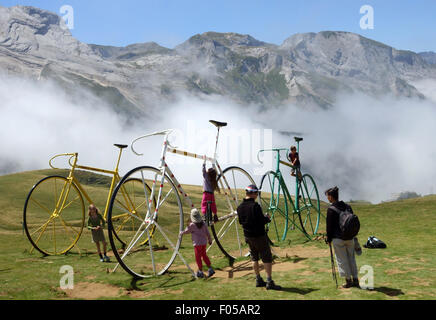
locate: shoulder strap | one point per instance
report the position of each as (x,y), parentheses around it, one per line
(339,211)
(335,209)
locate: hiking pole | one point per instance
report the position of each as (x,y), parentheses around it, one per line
(333,265)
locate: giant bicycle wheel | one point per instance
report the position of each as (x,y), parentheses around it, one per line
(152,244)
(128,208)
(54,215)
(274,202)
(309,206)
(228,234)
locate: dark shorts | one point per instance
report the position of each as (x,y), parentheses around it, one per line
(259,246)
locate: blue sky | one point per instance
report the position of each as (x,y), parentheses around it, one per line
(408,25)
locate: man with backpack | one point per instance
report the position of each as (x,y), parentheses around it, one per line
(342,227)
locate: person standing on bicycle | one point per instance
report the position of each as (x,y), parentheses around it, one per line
(210,185)
(294,158)
(253,222)
(344,247)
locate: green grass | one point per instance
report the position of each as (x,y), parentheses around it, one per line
(405,270)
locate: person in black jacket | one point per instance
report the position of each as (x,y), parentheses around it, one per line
(344,248)
(253,222)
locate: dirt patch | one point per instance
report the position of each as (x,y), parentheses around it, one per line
(288,259)
(398,271)
(239,269)
(421,283)
(301,251)
(393,260)
(395,271)
(92,291)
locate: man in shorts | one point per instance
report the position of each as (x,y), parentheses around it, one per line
(253,222)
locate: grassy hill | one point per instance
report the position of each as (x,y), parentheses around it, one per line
(405,270)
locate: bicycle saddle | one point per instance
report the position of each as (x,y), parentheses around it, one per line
(297,139)
(218,124)
(121,146)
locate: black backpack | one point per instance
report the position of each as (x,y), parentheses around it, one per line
(374,243)
(348,223)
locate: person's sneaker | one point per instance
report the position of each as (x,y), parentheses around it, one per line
(356,283)
(200,274)
(106,259)
(347,284)
(210,273)
(101,259)
(272,286)
(260,283)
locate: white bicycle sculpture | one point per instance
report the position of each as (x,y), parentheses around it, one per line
(153,242)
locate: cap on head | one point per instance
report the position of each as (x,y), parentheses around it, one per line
(196,216)
(252,189)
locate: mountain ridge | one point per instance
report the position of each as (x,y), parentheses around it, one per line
(307,69)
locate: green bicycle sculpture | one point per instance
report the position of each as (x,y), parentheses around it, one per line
(276,200)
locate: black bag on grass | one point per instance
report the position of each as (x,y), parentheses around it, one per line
(374,243)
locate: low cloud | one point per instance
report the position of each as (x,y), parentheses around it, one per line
(370,148)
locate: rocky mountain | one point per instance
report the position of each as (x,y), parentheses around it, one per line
(429,56)
(308,69)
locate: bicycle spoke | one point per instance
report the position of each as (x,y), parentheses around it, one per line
(234,183)
(225,231)
(46,202)
(121,205)
(69,204)
(42,226)
(54,235)
(69,226)
(135,240)
(148,198)
(120,227)
(42,206)
(163,200)
(128,213)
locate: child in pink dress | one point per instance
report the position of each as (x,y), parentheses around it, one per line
(200,237)
(210,185)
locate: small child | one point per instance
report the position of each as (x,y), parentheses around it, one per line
(295,161)
(96,224)
(200,237)
(210,185)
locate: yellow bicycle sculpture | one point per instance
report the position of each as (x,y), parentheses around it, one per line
(54,212)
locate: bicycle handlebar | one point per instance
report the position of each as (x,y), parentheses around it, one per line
(275,150)
(71,155)
(158,133)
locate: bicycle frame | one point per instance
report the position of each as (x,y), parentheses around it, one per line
(167,148)
(72,179)
(295,204)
